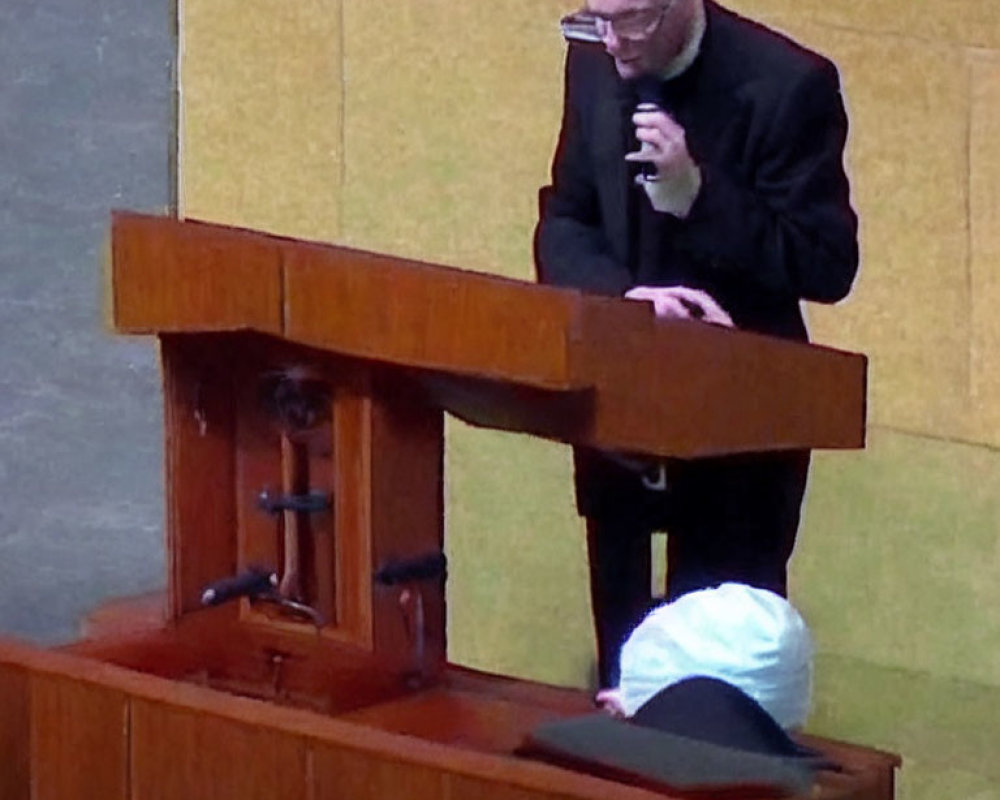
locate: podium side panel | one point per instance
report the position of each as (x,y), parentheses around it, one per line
(180,752)
(79,740)
(15,756)
(340,772)
(200,433)
(99,732)
(407,479)
(688,389)
(257,467)
(353,511)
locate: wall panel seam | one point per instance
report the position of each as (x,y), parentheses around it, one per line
(918,434)
(969,239)
(342,187)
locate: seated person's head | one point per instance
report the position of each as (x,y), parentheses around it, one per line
(750,638)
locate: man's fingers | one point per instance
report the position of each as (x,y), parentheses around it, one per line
(670,308)
(682,302)
(654,119)
(651,145)
(707,309)
(645,154)
(719,317)
(711,311)
(665,149)
(655,138)
(664,305)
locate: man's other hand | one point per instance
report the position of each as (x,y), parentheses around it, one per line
(682,302)
(610,702)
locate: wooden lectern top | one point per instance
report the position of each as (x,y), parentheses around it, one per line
(497,352)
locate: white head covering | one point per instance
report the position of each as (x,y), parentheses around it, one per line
(751,638)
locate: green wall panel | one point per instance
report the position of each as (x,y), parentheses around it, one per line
(900,556)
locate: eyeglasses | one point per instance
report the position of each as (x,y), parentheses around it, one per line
(632,25)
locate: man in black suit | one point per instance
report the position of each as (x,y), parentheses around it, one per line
(722,200)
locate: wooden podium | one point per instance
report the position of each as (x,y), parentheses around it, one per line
(305,389)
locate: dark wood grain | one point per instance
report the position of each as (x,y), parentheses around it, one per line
(15,741)
(183,753)
(79,739)
(199,418)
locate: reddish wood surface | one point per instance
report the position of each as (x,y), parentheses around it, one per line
(171,277)
(463,719)
(15,741)
(360,752)
(79,739)
(342,772)
(126,616)
(257,458)
(465,786)
(322,535)
(199,424)
(280,664)
(565,701)
(380,458)
(105,723)
(518,356)
(352,510)
(423,315)
(407,522)
(689,389)
(179,752)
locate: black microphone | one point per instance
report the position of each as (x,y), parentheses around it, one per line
(249,583)
(648,91)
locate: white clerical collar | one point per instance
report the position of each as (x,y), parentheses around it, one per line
(685,58)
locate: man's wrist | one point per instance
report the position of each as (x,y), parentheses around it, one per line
(674,194)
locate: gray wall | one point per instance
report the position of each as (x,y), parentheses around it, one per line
(86,125)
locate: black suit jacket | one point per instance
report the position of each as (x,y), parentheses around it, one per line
(772,225)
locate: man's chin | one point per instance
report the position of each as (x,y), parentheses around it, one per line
(627,70)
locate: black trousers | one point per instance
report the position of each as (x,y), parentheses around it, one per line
(733,518)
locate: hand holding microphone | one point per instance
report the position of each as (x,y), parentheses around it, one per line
(647,92)
(672,181)
(669,175)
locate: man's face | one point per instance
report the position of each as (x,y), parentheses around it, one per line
(642,36)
